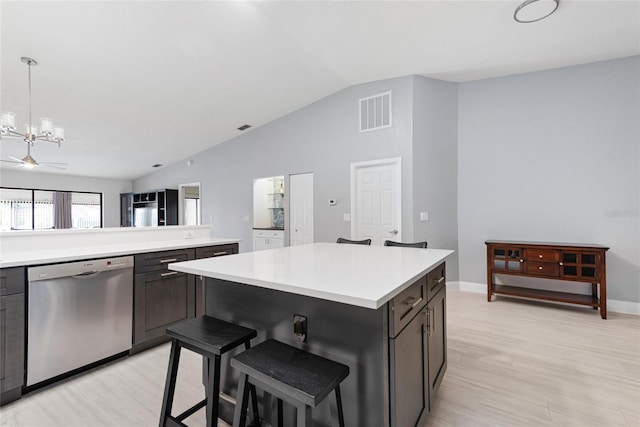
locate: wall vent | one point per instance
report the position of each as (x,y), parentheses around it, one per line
(375,112)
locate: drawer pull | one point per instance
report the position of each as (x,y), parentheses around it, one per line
(539,256)
(413,304)
(164,261)
(219,253)
(561,263)
(521,260)
(440,280)
(171,273)
(539,268)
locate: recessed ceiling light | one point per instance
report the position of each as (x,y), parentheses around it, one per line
(244,127)
(157,165)
(535,10)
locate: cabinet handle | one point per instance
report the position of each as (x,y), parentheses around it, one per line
(171,273)
(219,253)
(539,256)
(440,280)
(432,325)
(521,260)
(561,263)
(539,268)
(414,303)
(164,261)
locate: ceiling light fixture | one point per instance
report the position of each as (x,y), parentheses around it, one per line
(47,132)
(535,10)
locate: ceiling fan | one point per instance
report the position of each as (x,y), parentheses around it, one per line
(29,162)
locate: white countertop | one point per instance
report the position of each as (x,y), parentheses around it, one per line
(365,276)
(63,254)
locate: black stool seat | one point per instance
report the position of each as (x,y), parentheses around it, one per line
(290,374)
(209,334)
(211,338)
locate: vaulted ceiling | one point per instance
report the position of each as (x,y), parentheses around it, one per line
(138,83)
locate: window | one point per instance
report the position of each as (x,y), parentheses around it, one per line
(30,209)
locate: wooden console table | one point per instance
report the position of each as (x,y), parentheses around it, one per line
(560,261)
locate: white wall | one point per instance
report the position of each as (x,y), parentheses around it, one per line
(322,138)
(553,156)
(110,188)
(435,166)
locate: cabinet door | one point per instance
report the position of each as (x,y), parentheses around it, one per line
(507,258)
(408,389)
(276,243)
(260,243)
(160,300)
(580,265)
(11,342)
(436,343)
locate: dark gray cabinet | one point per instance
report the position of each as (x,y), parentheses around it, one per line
(436,343)
(209,252)
(12,333)
(156,208)
(161,297)
(417,348)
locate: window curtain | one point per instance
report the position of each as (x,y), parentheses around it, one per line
(62,209)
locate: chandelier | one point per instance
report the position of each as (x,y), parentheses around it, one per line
(47,131)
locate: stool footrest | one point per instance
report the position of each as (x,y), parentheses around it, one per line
(195,408)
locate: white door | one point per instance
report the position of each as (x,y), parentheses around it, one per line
(301,207)
(376,205)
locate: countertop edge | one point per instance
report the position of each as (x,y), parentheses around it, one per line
(31,258)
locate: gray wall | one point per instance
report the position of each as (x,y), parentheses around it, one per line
(110,188)
(553,156)
(435,166)
(322,138)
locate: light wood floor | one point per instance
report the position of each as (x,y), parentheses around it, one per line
(511,363)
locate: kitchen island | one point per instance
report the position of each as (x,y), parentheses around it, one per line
(379,310)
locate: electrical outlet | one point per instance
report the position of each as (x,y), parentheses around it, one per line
(300,327)
(189,234)
(346,217)
(424,216)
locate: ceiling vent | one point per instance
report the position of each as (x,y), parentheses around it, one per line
(375,112)
(244,127)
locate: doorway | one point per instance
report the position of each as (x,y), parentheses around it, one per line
(301,209)
(376,202)
(190,202)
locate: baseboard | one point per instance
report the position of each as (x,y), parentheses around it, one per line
(616,306)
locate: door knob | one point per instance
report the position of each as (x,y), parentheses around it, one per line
(393,232)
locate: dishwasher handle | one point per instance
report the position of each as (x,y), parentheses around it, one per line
(86,274)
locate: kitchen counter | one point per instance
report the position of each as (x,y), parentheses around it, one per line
(365,276)
(63,254)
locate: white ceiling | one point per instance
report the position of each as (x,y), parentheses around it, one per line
(138,83)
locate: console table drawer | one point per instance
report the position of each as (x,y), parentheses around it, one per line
(542,268)
(542,255)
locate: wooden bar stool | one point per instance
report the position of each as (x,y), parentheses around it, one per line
(211,338)
(295,376)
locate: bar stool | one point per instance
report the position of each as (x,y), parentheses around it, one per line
(211,338)
(296,376)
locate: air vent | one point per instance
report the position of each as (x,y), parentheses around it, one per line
(244,127)
(375,112)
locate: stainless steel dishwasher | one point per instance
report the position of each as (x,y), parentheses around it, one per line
(78,313)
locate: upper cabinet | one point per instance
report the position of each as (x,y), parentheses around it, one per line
(268,203)
(155,208)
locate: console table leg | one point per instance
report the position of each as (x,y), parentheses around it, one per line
(594,292)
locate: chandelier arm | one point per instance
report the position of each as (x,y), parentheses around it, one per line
(46,139)
(13,134)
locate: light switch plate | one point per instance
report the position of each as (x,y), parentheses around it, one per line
(424,216)
(347,217)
